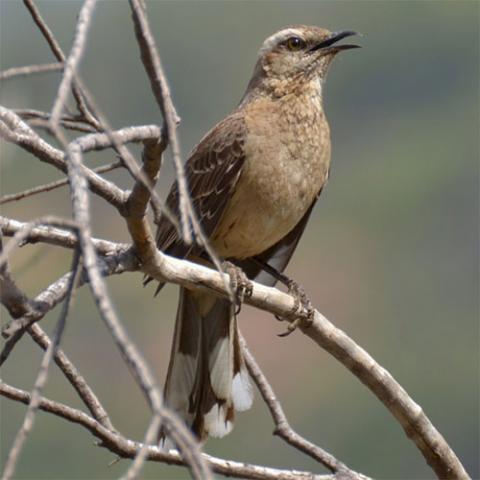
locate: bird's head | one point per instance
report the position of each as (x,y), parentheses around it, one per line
(297,54)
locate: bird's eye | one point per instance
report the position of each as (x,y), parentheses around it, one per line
(294,44)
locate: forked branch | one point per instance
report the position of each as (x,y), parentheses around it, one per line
(101,258)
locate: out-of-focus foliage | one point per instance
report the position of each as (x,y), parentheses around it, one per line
(391,253)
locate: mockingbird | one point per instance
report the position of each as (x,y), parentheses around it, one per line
(253,179)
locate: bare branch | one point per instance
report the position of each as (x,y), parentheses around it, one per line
(55,236)
(416,424)
(414,421)
(136,205)
(19,305)
(73,59)
(282,427)
(137,365)
(17,131)
(37,118)
(47,300)
(104,258)
(14,300)
(161,91)
(30,70)
(337,343)
(57,51)
(21,235)
(53,185)
(42,376)
(128,449)
(84,391)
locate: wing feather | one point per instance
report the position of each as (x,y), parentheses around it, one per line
(212,171)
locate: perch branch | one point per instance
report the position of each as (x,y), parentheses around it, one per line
(414,421)
(416,424)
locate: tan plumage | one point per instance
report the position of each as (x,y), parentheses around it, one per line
(253,180)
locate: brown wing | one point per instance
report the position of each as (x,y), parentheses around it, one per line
(212,171)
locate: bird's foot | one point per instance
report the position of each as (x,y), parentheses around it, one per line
(240,285)
(302,308)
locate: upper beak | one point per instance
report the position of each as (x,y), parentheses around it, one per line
(332,39)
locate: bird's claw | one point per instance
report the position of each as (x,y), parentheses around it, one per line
(240,285)
(302,308)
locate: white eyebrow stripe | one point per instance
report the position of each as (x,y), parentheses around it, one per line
(276,38)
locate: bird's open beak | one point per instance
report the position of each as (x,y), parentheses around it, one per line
(328,45)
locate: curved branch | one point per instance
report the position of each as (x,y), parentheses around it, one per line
(42,376)
(56,236)
(79,383)
(414,421)
(282,427)
(77,90)
(47,187)
(15,130)
(161,91)
(128,448)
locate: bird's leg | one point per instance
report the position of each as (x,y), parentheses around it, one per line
(239,283)
(302,302)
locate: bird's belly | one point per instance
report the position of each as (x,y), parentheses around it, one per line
(246,233)
(267,204)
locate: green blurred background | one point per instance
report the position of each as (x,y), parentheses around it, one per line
(390,255)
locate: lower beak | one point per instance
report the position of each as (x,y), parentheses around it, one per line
(327,45)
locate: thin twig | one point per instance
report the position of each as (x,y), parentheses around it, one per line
(125,448)
(282,427)
(337,343)
(56,236)
(151,435)
(30,70)
(73,59)
(14,300)
(114,264)
(416,424)
(161,91)
(136,207)
(53,185)
(130,162)
(38,118)
(58,53)
(130,353)
(27,425)
(21,235)
(78,382)
(17,131)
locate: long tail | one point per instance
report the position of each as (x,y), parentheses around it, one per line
(207,379)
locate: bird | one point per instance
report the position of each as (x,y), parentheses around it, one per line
(253,180)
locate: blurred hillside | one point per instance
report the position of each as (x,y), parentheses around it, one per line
(390,255)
